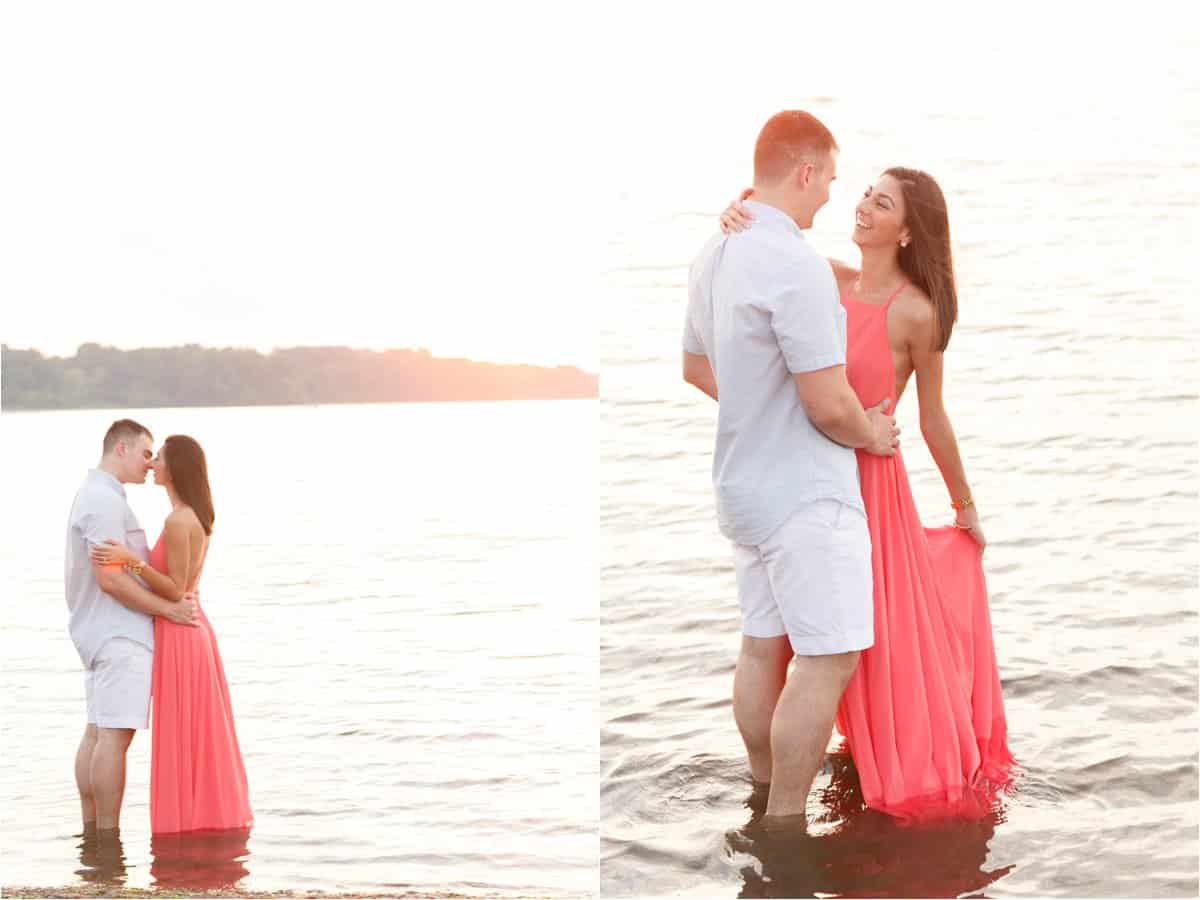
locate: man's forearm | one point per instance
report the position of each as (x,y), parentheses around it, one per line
(126,591)
(698,371)
(846,424)
(708,385)
(161,585)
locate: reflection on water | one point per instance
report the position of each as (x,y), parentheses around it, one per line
(865,854)
(101,857)
(195,860)
(200,860)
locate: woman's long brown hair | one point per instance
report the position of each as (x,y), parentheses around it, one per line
(189,474)
(927,261)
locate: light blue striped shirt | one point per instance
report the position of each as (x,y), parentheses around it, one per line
(764,306)
(100,512)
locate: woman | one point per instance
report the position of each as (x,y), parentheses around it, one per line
(923,715)
(197,779)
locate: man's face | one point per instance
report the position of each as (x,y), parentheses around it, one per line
(823,179)
(135,455)
(814,181)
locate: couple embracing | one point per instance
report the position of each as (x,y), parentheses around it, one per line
(136,620)
(883,623)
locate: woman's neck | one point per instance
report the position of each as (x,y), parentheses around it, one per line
(173,497)
(879,272)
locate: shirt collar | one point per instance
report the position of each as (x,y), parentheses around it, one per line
(774,216)
(107,479)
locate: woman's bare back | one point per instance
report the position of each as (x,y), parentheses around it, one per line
(185,517)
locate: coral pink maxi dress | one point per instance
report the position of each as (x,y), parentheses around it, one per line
(197,779)
(923,715)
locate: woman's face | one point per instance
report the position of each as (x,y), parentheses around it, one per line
(159,465)
(879,216)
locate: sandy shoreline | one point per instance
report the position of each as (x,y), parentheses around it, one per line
(99,890)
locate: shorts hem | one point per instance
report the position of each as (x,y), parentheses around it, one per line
(761,631)
(828,644)
(140,725)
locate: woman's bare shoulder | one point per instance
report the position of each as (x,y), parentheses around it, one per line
(915,311)
(915,304)
(184,518)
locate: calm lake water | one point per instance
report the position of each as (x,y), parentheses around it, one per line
(1071,382)
(405,598)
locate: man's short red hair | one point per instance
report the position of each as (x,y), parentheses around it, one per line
(789,138)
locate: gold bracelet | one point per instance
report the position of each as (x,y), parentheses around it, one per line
(960,505)
(136,567)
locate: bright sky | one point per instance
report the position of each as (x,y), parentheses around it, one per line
(273,174)
(695,70)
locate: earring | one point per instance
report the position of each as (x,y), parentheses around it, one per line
(904,243)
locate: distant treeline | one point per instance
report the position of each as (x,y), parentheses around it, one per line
(99,377)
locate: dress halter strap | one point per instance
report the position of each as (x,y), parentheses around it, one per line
(895,293)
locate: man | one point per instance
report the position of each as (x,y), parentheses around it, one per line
(112,623)
(766,334)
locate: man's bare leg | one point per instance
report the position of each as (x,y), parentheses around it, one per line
(800,729)
(757,684)
(83,778)
(108,775)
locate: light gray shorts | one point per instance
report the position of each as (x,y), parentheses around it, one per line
(118,685)
(811,580)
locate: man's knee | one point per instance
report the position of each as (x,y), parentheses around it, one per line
(766,650)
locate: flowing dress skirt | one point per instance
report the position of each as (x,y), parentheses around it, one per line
(923,714)
(197,778)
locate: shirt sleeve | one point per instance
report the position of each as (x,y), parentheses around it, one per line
(102,521)
(804,317)
(691,338)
